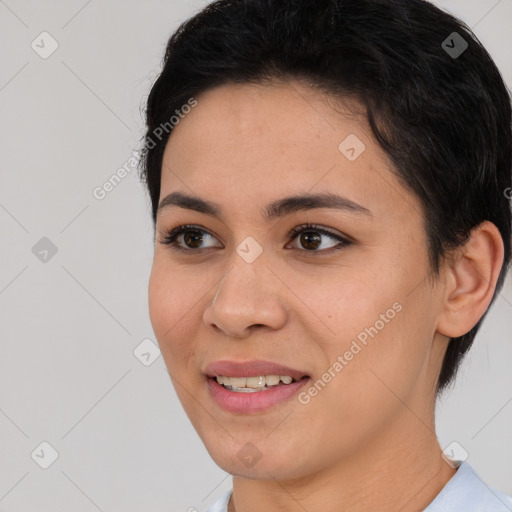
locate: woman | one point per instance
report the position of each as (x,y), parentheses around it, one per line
(328,185)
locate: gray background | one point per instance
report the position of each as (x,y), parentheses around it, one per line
(69,326)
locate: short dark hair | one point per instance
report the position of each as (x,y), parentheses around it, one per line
(443,117)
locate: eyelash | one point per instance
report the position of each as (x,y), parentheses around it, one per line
(171,236)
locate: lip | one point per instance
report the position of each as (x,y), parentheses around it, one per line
(247,403)
(251,369)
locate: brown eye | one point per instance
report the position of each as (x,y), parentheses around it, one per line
(187,238)
(192,239)
(310,238)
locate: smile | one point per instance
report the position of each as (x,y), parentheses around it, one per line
(245,400)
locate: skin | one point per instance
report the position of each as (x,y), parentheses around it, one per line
(367,440)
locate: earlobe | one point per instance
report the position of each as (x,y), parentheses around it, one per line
(471,281)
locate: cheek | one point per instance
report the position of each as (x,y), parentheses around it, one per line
(342,302)
(373,322)
(174,302)
(385,355)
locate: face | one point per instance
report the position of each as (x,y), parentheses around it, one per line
(346,302)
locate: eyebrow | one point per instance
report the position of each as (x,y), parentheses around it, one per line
(273,210)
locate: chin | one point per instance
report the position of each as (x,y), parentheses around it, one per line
(255,462)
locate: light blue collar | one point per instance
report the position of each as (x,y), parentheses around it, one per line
(467,492)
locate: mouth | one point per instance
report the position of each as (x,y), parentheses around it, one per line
(255,384)
(252,386)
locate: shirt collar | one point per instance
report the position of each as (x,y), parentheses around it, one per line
(467,492)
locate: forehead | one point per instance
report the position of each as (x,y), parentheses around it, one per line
(287,120)
(246,143)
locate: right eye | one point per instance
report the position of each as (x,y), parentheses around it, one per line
(191,235)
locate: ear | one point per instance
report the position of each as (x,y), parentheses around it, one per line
(471,280)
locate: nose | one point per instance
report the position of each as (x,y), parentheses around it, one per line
(249,296)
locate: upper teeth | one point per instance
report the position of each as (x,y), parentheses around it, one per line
(254,382)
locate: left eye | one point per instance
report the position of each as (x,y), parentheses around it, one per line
(310,237)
